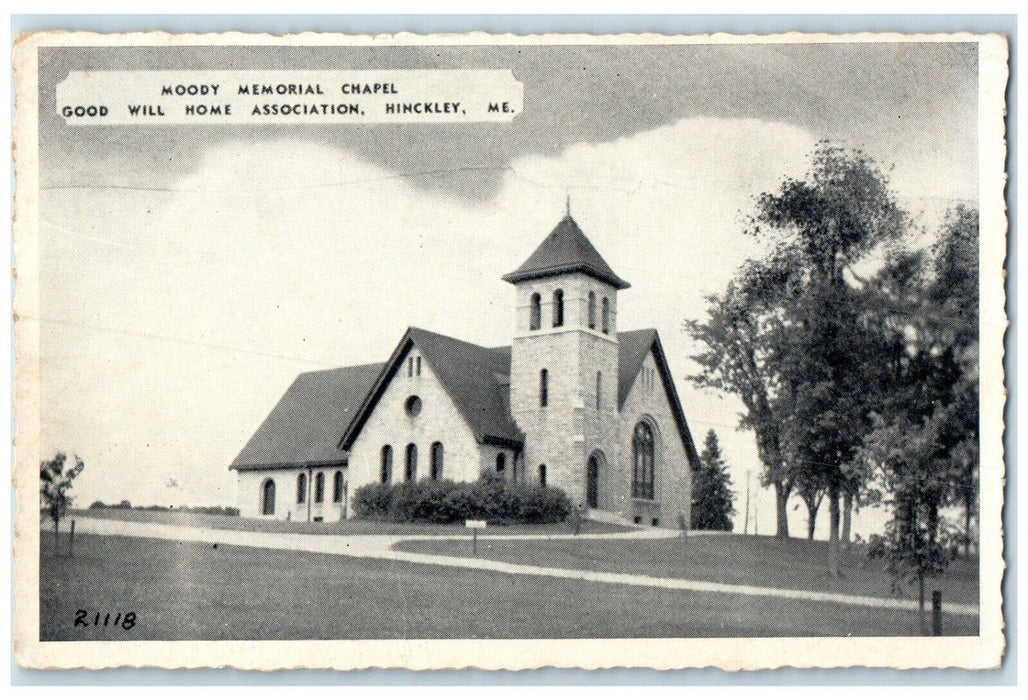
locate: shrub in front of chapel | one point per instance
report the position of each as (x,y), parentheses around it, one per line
(371,501)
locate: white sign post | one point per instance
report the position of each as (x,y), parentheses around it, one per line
(475,526)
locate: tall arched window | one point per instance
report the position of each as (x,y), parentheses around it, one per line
(642,469)
(268,498)
(412,462)
(558,308)
(544,388)
(501,462)
(301,488)
(592,310)
(386,474)
(337,488)
(535,315)
(319,487)
(542,475)
(606,315)
(437,460)
(599,389)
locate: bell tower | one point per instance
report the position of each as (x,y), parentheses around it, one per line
(564,364)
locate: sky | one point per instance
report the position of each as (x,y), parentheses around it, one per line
(189,273)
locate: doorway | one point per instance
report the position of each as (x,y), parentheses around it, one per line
(268,498)
(592,487)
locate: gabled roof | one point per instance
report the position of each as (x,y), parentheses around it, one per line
(304,427)
(633,347)
(566,249)
(476,379)
(317,420)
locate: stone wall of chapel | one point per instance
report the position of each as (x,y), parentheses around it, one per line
(390,424)
(564,433)
(672,471)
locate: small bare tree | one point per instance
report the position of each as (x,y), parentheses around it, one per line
(55,483)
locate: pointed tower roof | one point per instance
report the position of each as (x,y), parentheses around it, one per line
(566,249)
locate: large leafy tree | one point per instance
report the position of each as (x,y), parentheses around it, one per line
(54,483)
(793,336)
(712,495)
(829,222)
(923,451)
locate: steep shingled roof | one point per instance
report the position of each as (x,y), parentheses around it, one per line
(321,414)
(305,425)
(566,249)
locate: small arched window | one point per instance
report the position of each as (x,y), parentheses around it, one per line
(535,314)
(642,461)
(599,389)
(268,498)
(386,474)
(501,462)
(412,462)
(437,460)
(319,487)
(544,388)
(542,475)
(301,488)
(558,308)
(606,315)
(337,488)
(592,310)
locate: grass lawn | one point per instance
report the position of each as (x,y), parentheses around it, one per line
(194,591)
(750,560)
(338,527)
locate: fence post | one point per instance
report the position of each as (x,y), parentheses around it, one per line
(936,613)
(71,542)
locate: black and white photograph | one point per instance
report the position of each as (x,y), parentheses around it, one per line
(509,352)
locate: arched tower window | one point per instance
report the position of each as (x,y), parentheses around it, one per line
(606,315)
(337,488)
(558,308)
(542,475)
(642,464)
(386,474)
(412,462)
(268,498)
(535,315)
(301,488)
(501,462)
(437,460)
(592,310)
(544,388)
(319,487)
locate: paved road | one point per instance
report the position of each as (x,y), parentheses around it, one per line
(380,547)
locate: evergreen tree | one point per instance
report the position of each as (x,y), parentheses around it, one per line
(712,496)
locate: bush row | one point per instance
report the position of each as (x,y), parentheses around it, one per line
(489,498)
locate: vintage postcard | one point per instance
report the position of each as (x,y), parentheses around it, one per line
(502,352)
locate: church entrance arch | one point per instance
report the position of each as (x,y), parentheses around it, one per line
(592,479)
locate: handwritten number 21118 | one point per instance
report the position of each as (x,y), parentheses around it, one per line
(124,620)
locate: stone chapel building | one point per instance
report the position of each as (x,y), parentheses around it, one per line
(573,402)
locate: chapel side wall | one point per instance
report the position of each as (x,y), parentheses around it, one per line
(673,472)
(389,424)
(249,484)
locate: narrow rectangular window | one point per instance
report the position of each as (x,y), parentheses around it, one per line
(544,388)
(410,366)
(417,366)
(599,389)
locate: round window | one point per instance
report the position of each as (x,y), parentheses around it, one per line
(412,406)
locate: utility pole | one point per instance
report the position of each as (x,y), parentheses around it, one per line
(746,525)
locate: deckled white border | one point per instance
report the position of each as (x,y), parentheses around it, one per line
(984,651)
